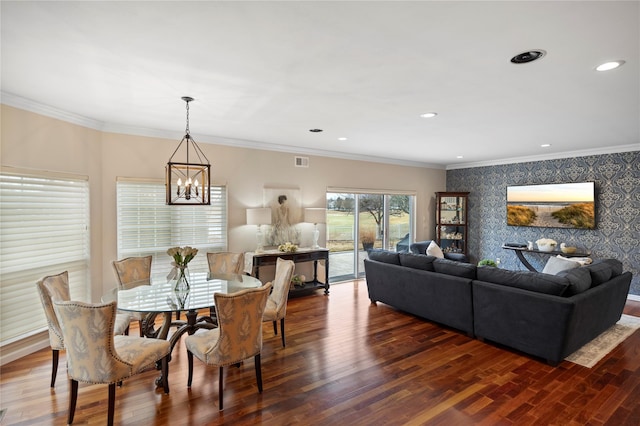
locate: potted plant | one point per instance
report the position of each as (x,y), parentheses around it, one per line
(367,238)
(487,262)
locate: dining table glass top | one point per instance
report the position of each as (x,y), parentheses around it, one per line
(161,296)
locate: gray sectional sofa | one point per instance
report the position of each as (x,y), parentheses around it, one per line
(547,316)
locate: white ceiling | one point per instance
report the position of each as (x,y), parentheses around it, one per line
(264,73)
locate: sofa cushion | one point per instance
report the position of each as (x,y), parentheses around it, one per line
(600,272)
(384,256)
(616,266)
(579,280)
(527,280)
(458,269)
(417,261)
(558,264)
(435,250)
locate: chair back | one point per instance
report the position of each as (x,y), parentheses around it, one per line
(88,332)
(133,271)
(225,263)
(281,284)
(54,288)
(240,325)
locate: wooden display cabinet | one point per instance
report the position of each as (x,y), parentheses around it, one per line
(451,221)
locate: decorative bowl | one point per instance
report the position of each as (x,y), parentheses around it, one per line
(546,244)
(568,250)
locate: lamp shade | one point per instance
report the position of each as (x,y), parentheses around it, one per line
(259,216)
(314,215)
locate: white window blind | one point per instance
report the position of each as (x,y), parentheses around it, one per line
(147,226)
(44,230)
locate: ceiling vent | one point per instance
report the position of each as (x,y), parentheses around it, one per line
(302,162)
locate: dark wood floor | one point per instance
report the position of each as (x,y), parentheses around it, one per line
(350,363)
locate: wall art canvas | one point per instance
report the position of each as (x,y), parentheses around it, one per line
(286,212)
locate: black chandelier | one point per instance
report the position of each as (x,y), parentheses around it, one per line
(188,183)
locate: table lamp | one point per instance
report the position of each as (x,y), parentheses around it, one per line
(259,217)
(315,216)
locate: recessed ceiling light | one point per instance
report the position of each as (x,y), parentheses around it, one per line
(607,66)
(315,130)
(342,139)
(459,156)
(545,145)
(428,114)
(529,56)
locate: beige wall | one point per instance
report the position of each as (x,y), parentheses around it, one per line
(33,141)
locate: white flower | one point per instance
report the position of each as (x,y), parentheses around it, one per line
(546,242)
(182,255)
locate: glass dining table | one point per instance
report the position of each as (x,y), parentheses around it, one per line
(161,298)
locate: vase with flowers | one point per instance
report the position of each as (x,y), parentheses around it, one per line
(181,258)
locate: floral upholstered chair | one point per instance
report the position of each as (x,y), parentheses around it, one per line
(225,263)
(133,272)
(56,287)
(276,308)
(238,336)
(95,355)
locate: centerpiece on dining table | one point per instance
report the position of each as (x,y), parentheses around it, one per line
(181,258)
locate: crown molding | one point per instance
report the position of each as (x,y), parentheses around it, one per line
(554,156)
(38,108)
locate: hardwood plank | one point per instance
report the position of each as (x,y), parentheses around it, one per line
(348,362)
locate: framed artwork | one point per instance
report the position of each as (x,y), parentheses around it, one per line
(286,212)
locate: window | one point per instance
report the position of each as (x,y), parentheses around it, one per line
(147,226)
(44,230)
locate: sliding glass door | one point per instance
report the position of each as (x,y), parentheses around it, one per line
(360,221)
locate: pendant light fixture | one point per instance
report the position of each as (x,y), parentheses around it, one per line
(188,183)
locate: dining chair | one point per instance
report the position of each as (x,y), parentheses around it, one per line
(133,272)
(276,308)
(238,336)
(56,288)
(95,355)
(225,262)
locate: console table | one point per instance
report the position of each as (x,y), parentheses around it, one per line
(521,250)
(269,257)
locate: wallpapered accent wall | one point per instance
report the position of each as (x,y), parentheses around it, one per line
(617,186)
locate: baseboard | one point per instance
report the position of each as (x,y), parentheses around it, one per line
(634,297)
(24,347)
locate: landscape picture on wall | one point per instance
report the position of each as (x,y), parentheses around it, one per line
(563,205)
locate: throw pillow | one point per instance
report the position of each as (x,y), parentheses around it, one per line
(558,264)
(434,250)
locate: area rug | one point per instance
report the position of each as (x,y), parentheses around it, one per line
(595,350)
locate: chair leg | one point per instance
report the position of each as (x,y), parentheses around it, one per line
(258,372)
(275,328)
(165,374)
(190,361)
(112,403)
(140,327)
(73,397)
(220,387)
(126,331)
(54,366)
(282,331)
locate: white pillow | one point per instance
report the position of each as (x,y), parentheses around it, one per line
(581,260)
(558,264)
(434,250)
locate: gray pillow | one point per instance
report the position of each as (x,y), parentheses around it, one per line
(384,256)
(417,261)
(526,280)
(579,280)
(458,269)
(559,264)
